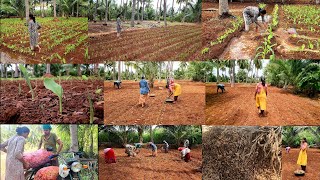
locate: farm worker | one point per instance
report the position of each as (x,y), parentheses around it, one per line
(144,90)
(165,146)
(186,143)
(302,158)
(138,147)
(117,83)
(109,155)
(14,148)
(49,139)
(33,28)
(153,148)
(261,96)
(185,154)
(119,27)
(288,149)
(251,14)
(220,86)
(175,90)
(130,150)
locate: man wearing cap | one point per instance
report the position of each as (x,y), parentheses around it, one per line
(49,139)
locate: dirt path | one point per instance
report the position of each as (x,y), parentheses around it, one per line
(121,105)
(237,107)
(164,166)
(289,165)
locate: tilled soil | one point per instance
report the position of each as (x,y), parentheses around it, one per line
(237,106)
(20,108)
(289,164)
(143,166)
(179,42)
(121,105)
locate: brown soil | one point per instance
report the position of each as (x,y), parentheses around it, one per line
(237,107)
(180,42)
(143,166)
(44,108)
(289,164)
(121,105)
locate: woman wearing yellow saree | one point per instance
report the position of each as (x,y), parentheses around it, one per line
(261,97)
(302,158)
(175,90)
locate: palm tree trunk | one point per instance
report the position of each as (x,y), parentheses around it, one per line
(133,12)
(138,11)
(96,11)
(165,12)
(160,11)
(54,9)
(151,133)
(77,8)
(48,69)
(142,11)
(106,14)
(74,147)
(27,10)
(223,7)
(16,71)
(218,77)
(172,11)
(119,70)
(79,70)
(157,13)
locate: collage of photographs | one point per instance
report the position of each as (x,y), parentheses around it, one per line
(160,90)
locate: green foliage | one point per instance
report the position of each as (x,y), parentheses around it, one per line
(55,88)
(26,77)
(291,135)
(308,80)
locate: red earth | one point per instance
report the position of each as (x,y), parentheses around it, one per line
(236,106)
(20,108)
(143,166)
(289,164)
(121,105)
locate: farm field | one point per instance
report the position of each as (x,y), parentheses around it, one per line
(226,39)
(178,42)
(289,164)
(236,106)
(17,105)
(143,166)
(121,104)
(61,41)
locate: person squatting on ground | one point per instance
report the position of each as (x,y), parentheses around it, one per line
(144,90)
(138,147)
(251,14)
(50,140)
(33,28)
(185,153)
(220,86)
(14,147)
(109,155)
(288,149)
(303,157)
(119,27)
(153,148)
(165,146)
(175,90)
(117,83)
(130,150)
(261,96)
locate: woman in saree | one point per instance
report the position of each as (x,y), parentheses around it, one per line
(261,96)
(175,90)
(303,158)
(14,147)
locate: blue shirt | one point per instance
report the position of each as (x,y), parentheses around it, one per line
(144,87)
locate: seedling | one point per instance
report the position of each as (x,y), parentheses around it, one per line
(56,89)
(26,77)
(84,77)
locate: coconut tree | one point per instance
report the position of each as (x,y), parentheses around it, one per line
(165,12)
(54,9)
(133,12)
(74,147)
(160,5)
(223,7)
(27,9)
(106,13)
(119,70)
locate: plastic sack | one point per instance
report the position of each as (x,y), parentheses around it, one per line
(37,158)
(47,173)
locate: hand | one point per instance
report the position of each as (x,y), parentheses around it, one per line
(26,165)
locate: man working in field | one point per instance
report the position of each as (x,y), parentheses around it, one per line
(49,139)
(251,14)
(165,146)
(153,148)
(144,91)
(130,150)
(220,86)
(117,83)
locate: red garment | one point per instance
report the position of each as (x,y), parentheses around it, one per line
(187,157)
(109,156)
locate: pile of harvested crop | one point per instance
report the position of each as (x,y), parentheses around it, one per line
(47,173)
(241,152)
(37,158)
